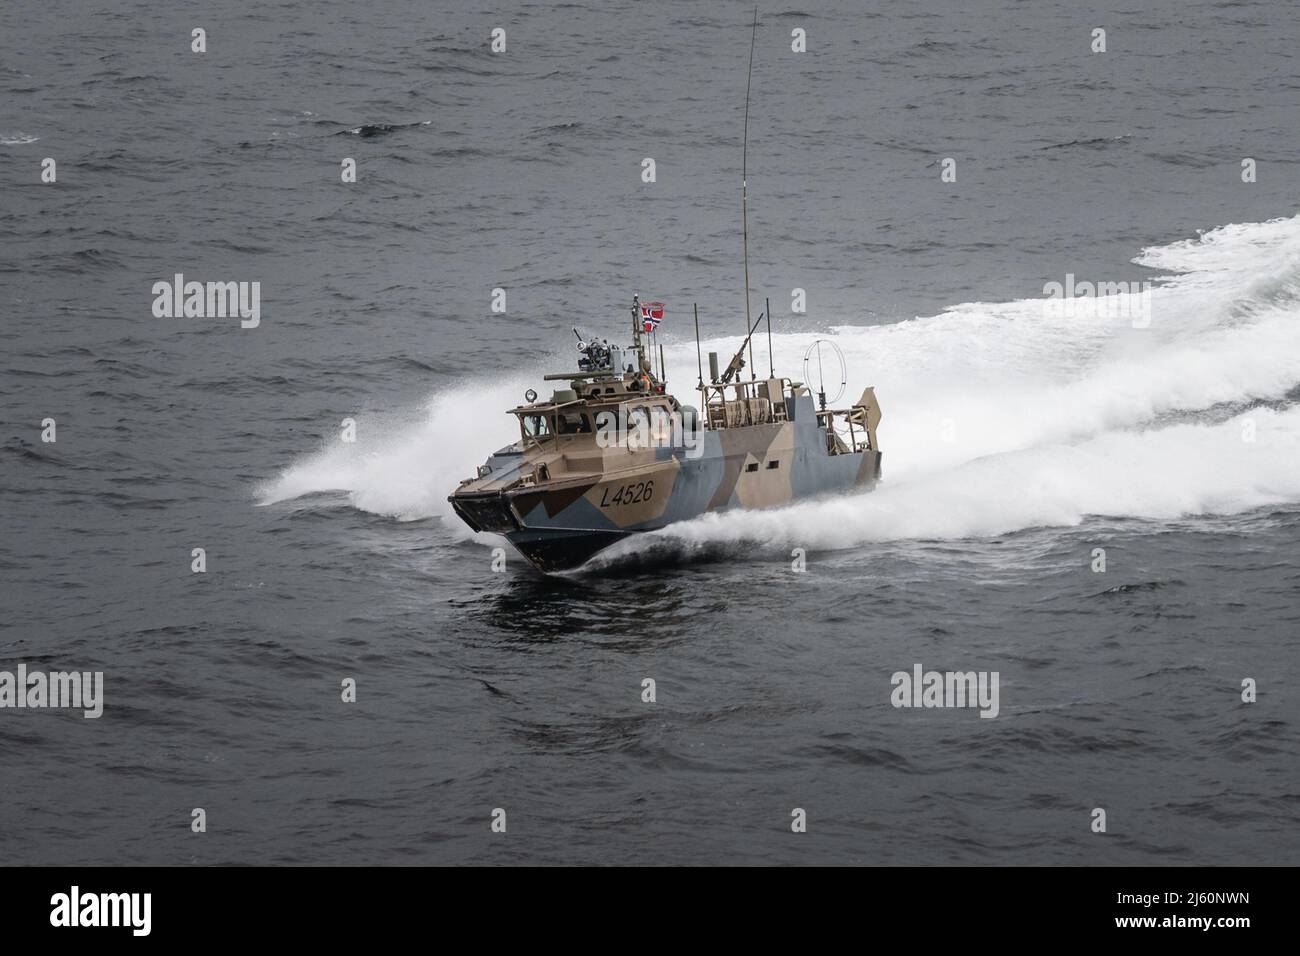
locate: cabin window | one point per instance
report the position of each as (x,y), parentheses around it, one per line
(573,423)
(535,426)
(752,466)
(661,418)
(775,463)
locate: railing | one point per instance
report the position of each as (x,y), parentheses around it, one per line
(749,407)
(826,418)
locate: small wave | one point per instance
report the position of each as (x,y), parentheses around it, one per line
(1129,588)
(367,130)
(1094,142)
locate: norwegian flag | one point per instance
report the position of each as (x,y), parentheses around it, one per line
(652,313)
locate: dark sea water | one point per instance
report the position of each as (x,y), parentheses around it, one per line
(1015,442)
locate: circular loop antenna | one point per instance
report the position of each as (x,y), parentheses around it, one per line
(530,396)
(816,358)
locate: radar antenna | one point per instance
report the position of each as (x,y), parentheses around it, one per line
(814,353)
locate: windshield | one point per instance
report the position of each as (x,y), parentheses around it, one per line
(573,423)
(535,426)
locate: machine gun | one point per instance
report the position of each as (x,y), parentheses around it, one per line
(595,355)
(738,360)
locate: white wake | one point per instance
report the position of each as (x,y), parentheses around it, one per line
(997,416)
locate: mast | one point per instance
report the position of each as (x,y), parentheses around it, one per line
(744,180)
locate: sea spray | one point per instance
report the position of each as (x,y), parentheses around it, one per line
(996,417)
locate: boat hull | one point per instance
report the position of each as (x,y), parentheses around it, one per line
(560,525)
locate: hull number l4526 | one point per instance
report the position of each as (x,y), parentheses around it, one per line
(629,494)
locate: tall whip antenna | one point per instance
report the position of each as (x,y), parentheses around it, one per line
(744,171)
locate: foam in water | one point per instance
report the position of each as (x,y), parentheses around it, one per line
(1161,474)
(997,416)
(405,470)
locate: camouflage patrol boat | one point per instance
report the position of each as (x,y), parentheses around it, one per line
(612,453)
